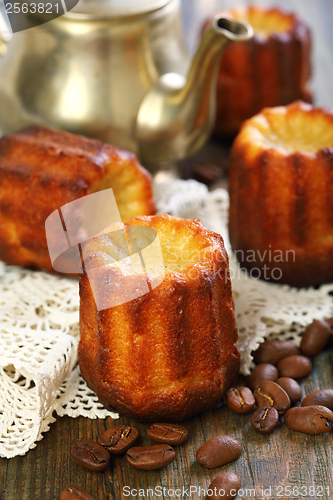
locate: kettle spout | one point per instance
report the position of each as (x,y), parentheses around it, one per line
(177,115)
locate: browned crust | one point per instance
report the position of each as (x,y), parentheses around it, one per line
(284,202)
(262,73)
(169,354)
(43,169)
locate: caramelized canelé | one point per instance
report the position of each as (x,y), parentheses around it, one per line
(281,195)
(171,352)
(42,170)
(271,69)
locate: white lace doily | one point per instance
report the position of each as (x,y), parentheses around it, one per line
(39,331)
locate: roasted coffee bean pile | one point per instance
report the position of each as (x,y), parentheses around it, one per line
(96,456)
(119,439)
(271,393)
(275,390)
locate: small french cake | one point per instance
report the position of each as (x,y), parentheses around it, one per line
(281,195)
(168,352)
(42,169)
(271,69)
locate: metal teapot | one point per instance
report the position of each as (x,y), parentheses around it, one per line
(118,71)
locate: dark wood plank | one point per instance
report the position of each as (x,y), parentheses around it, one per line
(284,458)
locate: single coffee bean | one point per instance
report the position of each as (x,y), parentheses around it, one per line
(271,394)
(217,451)
(315,337)
(119,439)
(295,367)
(272,351)
(322,397)
(309,419)
(206,172)
(150,457)
(240,399)
(265,419)
(74,493)
(264,371)
(168,433)
(292,388)
(225,486)
(90,455)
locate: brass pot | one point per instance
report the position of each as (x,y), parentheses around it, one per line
(120,79)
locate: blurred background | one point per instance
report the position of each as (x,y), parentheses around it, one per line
(318,14)
(210,164)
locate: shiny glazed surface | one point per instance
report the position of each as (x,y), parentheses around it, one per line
(171,353)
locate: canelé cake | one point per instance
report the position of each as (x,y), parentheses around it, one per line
(169,353)
(42,170)
(271,69)
(281,195)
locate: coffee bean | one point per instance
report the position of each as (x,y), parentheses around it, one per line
(217,451)
(322,397)
(74,493)
(292,388)
(151,457)
(315,337)
(265,419)
(119,439)
(90,455)
(295,367)
(168,433)
(225,486)
(206,172)
(264,371)
(271,394)
(272,351)
(240,399)
(309,419)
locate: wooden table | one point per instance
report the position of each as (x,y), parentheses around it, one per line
(282,459)
(278,462)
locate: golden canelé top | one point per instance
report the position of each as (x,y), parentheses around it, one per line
(298,127)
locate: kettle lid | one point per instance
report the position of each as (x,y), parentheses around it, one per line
(115,8)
